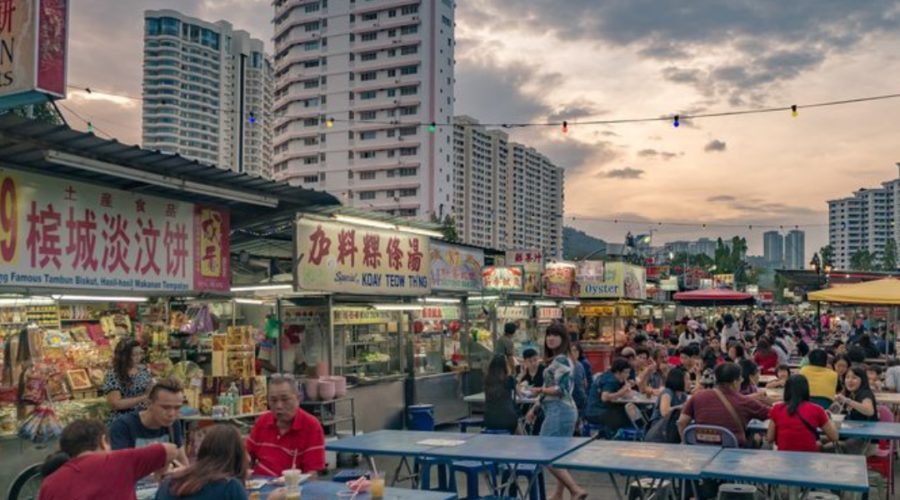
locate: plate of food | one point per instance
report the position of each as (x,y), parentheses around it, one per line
(256,484)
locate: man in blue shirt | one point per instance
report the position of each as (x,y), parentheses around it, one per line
(157,424)
(605,389)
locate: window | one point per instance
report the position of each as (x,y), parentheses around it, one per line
(409,49)
(367,176)
(369,94)
(310,122)
(367,154)
(310,141)
(409,110)
(370,36)
(392,33)
(406,193)
(408,151)
(409,30)
(409,130)
(409,9)
(310,179)
(370,16)
(391,173)
(312,160)
(368,75)
(410,90)
(368,56)
(311,45)
(446,21)
(409,70)
(391,92)
(367,135)
(312,7)
(391,73)
(407,172)
(313,26)
(390,133)
(408,212)
(367,115)
(366,195)
(392,13)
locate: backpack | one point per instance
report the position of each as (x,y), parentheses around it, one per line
(665,430)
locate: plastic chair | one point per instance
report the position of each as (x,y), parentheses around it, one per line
(594,430)
(710,435)
(825,403)
(883,459)
(735,491)
(472,470)
(26,484)
(422,469)
(465,423)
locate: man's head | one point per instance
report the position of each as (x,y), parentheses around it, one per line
(166,398)
(510,329)
(621,369)
(284,397)
(530,358)
(629,355)
(728,375)
(643,356)
(818,357)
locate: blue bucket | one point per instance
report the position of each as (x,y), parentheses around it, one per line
(421,417)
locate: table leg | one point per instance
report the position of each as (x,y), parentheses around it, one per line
(615,484)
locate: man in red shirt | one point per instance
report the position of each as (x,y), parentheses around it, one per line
(286,437)
(707,408)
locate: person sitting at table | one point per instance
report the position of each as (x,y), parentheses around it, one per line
(873,373)
(286,437)
(793,424)
(823,381)
(866,344)
(723,405)
(765,357)
(85,468)
(499,387)
(585,363)
(892,375)
(856,355)
(841,367)
(532,373)
(219,472)
(782,373)
(579,381)
(858,402)
(560,414)
(157,424)
(749,378)
(605,389)
(690,335)
(673,396)
(736,352)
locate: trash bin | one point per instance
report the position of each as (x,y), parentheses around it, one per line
(599,356)
(420,417)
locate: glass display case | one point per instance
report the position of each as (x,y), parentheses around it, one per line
(436,339)
(369,343)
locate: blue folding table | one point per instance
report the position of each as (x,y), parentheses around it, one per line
(850,429)
(640,460)
(402,444)
(788,468)
(512,451)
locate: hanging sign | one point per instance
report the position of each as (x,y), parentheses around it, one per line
(503,279)
(456,268)
(619,280)
(532,263)
(33,44)
(513,312)
(348,258)
(559,280)
(60,234)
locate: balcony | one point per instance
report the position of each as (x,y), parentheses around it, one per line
(382,43)
(384,24)
(383,62)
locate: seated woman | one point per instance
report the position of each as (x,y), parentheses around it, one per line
(749,377)
(499,386)
(782,374)
(857,401)
(794,424)
(673,396)
(219,472)
(605,389)
(765,357)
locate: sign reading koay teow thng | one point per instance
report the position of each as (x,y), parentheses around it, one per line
(60,234)
(347,258)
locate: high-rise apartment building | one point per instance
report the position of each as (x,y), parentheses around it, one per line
(773,248)
(864,221)
(358,86)
(795,250)
(507,195)
(207,92)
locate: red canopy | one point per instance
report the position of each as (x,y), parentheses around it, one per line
(714,296)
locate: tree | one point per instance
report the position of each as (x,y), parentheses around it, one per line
(41,112)
(827,255)
(448,227)
(889,256)
(861,260)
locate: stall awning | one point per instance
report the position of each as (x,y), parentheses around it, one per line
(714,296)
(880,292)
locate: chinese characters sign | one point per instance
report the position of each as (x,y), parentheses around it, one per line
(335,257)
(559,280)
(503,279)
(456,268)
(60,234)
(532,262)
(33,37)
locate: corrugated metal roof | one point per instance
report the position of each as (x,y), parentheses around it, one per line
(24,144)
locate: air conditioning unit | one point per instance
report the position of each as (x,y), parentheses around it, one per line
(415,18)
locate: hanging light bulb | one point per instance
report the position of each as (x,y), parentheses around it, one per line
(90,127)
(432,127)
(794,111)
(251,118)
(675,122)
(565,127)
(329,122)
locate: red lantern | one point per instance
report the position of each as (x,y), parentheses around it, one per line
(418,327)
(454,326)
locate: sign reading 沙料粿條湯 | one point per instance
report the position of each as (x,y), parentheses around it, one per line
(347,258)
(60,234)
(33,42)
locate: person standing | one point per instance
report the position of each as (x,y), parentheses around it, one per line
(127,384)
(86,469)
(286,437)
(555,397)
(506,347)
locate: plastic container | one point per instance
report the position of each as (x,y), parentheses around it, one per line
(326,390)
(340,385)
(311,387)
(421,417)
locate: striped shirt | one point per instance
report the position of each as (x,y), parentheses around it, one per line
(301,447)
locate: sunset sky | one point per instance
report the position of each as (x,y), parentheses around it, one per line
(579,60)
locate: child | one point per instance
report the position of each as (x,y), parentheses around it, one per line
(783,372)
(873,373)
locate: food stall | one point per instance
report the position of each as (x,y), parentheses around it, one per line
(609,292)
(440,367)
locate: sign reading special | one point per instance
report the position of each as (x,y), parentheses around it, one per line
(60,234)
(33,42)
(456,268)
(503,279)
(345,258)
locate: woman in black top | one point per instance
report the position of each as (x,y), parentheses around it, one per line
(858,402)
(499,387)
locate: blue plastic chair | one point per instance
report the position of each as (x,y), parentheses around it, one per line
(472,470)
(423,467)
(710,435)
(465,423)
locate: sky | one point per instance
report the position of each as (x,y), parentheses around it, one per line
(528,61)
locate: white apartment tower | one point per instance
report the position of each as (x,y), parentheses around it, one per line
(508,196)
(864,221)
(207,92)
(358,84)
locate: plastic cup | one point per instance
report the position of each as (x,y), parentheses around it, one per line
(377,485)
(292,478)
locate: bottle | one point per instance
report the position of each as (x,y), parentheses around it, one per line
(225,403)
(235,398)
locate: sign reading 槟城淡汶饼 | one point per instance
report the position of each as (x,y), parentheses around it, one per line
(503,279)
(33,43)
(348,258)
(60,234)
(456,268)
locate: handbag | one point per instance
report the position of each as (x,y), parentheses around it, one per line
(665,430)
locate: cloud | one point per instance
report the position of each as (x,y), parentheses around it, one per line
(653,153)
(574,155)
(716,199)
(622,173)
(495,93)
(715,145)
(574,111)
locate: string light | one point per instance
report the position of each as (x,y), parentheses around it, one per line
(432,127)
(329,123)
(689,224)
(251,118)
(794,112)
(90,127)
(675,122)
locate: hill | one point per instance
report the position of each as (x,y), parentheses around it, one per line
(578,245)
